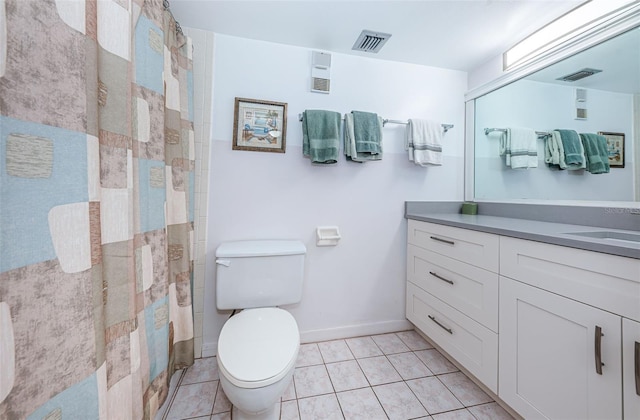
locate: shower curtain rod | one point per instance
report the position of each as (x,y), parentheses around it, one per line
(540,134)
(445,127)
(167,7)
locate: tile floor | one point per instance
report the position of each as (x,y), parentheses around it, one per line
(388,376)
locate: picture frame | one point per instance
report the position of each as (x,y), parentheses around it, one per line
(259,126)
(615,148)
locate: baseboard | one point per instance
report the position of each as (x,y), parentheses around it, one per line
(354,331)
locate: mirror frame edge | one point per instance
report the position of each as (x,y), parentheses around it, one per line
(580,43)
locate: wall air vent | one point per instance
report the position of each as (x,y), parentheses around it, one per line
(370,41)
(320,72)
(580,74)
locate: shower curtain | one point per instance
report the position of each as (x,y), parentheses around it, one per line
(96,208)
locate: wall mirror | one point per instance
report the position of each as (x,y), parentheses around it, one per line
(606,101)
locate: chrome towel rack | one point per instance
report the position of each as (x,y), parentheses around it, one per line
(445,127)
(540,134)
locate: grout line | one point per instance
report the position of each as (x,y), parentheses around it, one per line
(171,398)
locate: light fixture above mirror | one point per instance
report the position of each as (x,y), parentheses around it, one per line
(587,17)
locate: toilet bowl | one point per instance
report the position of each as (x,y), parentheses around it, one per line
(257,351)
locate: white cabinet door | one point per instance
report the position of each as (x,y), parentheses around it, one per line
(549,352)
(631,368)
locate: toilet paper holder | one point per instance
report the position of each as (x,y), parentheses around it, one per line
(327,235)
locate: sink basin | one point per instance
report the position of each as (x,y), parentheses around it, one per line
(609,235)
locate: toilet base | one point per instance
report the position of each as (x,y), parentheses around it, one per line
(272,413)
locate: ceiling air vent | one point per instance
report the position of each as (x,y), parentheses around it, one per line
(580,74)
(370,41)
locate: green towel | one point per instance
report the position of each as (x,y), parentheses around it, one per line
(321,135)
(573,154)
(350,147)
(595,151)
(366,129)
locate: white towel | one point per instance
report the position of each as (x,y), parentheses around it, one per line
(519,147)
(424,142)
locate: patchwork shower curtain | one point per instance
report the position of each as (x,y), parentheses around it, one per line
(96,208)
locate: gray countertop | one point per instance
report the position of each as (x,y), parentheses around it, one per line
(548,232)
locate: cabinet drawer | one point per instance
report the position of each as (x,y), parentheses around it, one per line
(605,281)
(476,248)
(469,289)
(472,345)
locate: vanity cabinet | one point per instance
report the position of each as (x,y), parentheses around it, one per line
(554,331)
(452,294)
(561,328)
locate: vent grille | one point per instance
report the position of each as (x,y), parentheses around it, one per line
(581,114)
(320,85)
(370,41)
(580,74)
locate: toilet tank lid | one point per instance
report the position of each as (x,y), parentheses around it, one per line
(261,248)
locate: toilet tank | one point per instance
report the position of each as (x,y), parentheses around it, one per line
(253,274)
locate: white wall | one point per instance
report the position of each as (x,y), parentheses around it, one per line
(202,80)
(358,286)
(545,107)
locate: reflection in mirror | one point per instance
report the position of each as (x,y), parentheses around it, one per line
(596,101)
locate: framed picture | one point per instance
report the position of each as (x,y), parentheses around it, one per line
(259,126)
(615,148)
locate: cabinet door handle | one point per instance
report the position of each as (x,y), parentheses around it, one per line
(598,344)
(435,238)
(440,277)
(637,363)
(433,318)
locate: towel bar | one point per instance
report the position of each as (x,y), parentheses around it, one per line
(540,134)
(445,127)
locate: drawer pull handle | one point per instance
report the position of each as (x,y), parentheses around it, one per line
(435,238)
(598,344)
(440,277)
(433,318)
(637,363)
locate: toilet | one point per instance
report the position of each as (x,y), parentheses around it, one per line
(258,346)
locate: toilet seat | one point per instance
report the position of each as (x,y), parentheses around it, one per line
(258,347)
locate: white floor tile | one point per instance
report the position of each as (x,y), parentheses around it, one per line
(311,381)
(464,389)
(409,366)
(323,407)
(309,355)
(289,410)
(398,401)
(390,343)
(335,351)
(491,411)
(363,347)
(346,375)
(361,404)
(203,370)
(437,363)
(413,340)
(379,370)
(193,400)
(463,414)
(375,377)
(435,397)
